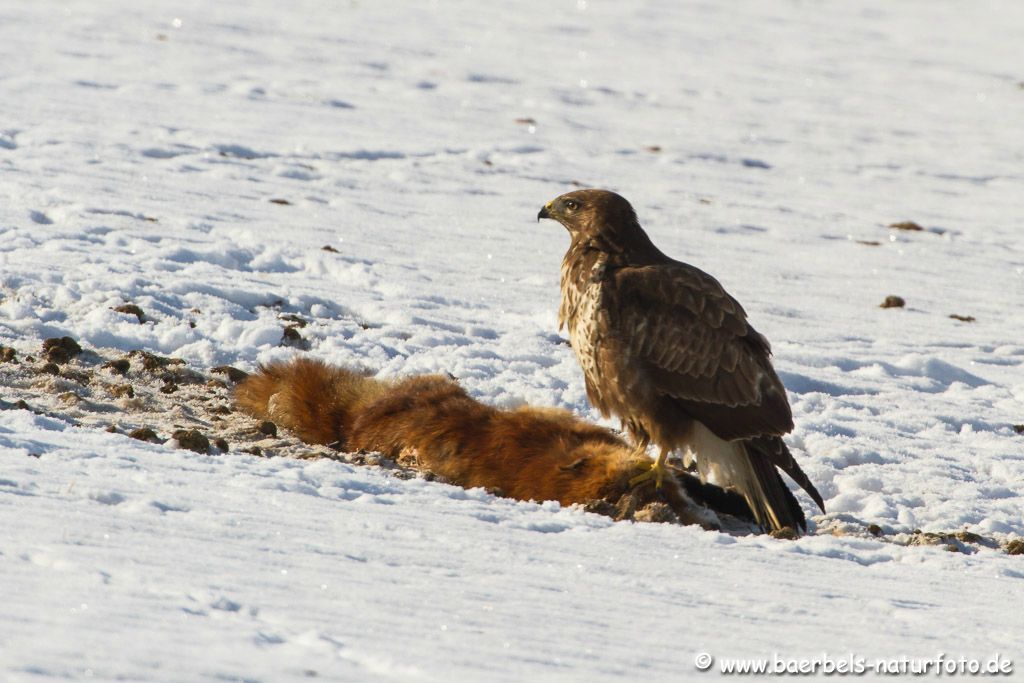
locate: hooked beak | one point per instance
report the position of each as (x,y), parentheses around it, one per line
(544,213)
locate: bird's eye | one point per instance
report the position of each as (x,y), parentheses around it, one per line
(572,204)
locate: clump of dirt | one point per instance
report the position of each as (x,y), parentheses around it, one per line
(121,391)
(153,362)
(298,320)
(910,226)
(267,427)
(145,434)
(192,439)
(60,350)
(76,375)
(1014,547)
(786,533)
(132,309)
(118,367)
(233,374)
(893,301)
(291,337)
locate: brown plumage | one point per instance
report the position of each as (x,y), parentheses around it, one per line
(527,453)
(666,349)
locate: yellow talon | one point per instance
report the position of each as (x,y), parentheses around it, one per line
(657,472)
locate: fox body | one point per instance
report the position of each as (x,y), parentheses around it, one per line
(526,453)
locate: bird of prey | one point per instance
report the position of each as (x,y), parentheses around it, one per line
(667,350)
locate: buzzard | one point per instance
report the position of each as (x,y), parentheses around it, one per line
(666,349)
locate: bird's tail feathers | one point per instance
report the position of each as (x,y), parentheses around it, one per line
(776,506)
(775,449)
(740,466)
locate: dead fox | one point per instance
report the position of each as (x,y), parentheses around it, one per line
(526,453)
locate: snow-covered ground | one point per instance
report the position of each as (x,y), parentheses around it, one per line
(194,158)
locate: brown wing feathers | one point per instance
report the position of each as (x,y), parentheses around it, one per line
(696,341)
(706,356)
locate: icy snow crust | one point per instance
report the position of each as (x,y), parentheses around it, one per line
(141,145)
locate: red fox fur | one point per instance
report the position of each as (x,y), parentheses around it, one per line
(526,453)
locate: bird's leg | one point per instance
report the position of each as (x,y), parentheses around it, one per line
(657,471)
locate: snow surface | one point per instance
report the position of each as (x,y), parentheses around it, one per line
(142,144)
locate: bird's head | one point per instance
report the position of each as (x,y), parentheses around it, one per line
(587,213)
